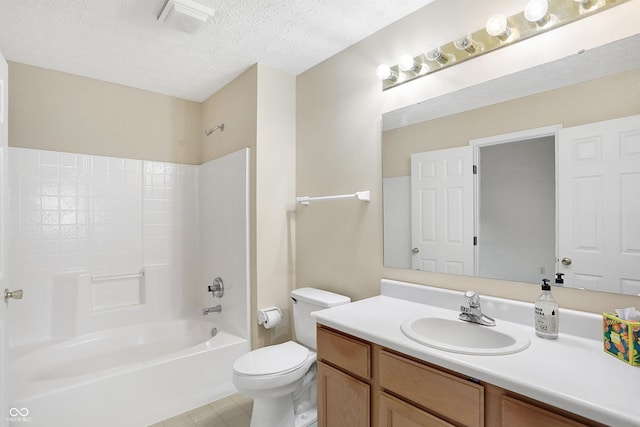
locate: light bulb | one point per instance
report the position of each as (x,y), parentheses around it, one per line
(536,11)
(384,72)
(466,43)
(407,63)
(585,4)
(436,54)
(497,27)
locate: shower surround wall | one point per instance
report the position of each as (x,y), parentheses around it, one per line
(78,219)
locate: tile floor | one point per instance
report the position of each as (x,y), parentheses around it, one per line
(232,411)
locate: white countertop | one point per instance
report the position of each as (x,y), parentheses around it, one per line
(572,372)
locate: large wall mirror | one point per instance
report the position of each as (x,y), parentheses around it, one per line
(505,180)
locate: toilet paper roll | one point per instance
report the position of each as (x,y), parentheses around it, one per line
(269,317)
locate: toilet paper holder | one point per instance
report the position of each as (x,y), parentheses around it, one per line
(269,317)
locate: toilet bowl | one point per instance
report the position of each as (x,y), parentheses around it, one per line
(270,376)
(281,378)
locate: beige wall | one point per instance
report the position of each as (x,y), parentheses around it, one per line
(275,200)
(340,103)
(235,106)
(56,111)
(339,243)
(596,100)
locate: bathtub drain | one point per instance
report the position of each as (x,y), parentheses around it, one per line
(214,332)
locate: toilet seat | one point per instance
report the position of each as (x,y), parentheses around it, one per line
(278,359)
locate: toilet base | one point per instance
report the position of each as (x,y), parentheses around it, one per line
(273,411)
(307,419)
(279,412)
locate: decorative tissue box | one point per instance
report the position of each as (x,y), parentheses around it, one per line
(622,338)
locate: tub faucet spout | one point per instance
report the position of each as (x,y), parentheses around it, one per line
(216,309)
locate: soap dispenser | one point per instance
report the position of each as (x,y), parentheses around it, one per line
(547,313)
(559,279)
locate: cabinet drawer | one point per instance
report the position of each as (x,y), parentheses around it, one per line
(345,352)
(517,413)
(396,413)
(446,395)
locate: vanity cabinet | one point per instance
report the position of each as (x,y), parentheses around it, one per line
(362,384)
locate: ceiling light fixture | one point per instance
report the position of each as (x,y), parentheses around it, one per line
(537,17)
(185,15)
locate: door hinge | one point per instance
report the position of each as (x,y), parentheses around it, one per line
(475,240)
(475,169)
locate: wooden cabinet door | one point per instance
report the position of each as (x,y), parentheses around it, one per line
(396,413)
(342,400)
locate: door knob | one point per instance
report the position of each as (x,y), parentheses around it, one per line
(17,294)
(566,261)
(415,250)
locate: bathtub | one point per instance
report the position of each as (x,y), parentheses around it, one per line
(131,376)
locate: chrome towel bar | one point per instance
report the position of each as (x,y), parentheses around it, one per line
(364,196)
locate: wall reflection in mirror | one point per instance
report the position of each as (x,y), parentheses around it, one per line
(556,187)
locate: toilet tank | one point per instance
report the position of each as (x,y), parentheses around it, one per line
(306,301)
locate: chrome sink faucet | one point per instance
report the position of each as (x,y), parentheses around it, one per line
(472,311)
(216,309)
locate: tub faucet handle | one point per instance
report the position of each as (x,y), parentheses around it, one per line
(217,288)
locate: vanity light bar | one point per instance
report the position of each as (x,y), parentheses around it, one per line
(539,16)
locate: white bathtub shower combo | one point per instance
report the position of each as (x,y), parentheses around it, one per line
(115,256)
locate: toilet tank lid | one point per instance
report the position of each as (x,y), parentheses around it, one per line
(319,297)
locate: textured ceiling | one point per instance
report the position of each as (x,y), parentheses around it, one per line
(121,41)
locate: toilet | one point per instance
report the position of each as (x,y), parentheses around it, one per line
(281,378)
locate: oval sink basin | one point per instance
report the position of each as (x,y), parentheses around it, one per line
(444,331)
